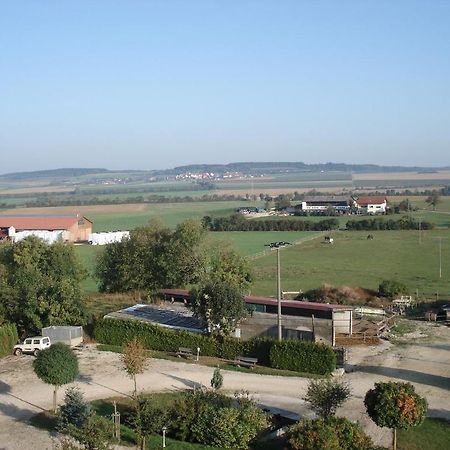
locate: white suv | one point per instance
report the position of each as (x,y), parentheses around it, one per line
(32,345)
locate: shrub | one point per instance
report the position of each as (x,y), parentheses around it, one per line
(217,379)
(95,434)
(325,396)
(259,348)
(391,288)
(74,411)
(303,356)
(8,338)
(327,434)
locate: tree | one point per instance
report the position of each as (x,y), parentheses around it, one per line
(220,305)
(74,411)
(326,396)
(217,379)
(56,365)
(391,288)
(395,405)
(154,257)
(134,358)
(333,433)
(40,285)
(228,266)
(433,199)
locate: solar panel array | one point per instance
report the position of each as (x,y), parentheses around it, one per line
(163,316)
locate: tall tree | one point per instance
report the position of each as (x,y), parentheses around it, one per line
(395,405)
(40,285)
(220,305)
(56,365)
(433,199)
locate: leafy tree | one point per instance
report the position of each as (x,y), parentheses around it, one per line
(154,257)
(217,379)
(226,265)
(391,288)
(333,433)
(433,199)
(40,285)
(147,418)
(74,411)
(134,358)
(56,365)
(327,395)
(220,305)
(395,405)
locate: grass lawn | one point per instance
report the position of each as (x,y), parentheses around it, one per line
(433,434)
(355,261)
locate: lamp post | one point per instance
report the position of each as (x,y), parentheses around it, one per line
(164,429)
(277,246)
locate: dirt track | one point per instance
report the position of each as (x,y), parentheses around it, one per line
(427,365)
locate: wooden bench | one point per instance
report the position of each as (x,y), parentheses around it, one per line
(184,352)
(245,361)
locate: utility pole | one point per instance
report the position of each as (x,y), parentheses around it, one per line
(277,246)
(439,238)
(420,230)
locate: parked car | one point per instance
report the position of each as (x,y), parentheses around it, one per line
(32,345)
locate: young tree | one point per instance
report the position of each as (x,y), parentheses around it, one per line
(326,396)
(220,305)
(217,379)
(134,358)
(395,405)
(74,411)
(391,288)
(56,365)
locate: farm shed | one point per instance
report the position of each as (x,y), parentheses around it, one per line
(69,335)
(300,320)
(323,202)
(372,204)
(74,228)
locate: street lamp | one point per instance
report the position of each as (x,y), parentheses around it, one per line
(164,429)
(277,246)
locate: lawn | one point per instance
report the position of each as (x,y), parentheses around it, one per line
(433,434)
(355,261)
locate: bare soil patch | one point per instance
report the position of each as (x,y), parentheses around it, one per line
(84,210)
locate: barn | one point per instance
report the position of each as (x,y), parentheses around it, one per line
(73,228)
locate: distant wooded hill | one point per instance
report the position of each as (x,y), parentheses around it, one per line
(246,168)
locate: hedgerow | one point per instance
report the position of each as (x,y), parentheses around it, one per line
(8,338)
(289,355)
(303,356)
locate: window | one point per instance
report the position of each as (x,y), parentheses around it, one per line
(28,341)
(36,341)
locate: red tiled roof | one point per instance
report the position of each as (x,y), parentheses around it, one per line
(371,200)
(39,222)
(253,300)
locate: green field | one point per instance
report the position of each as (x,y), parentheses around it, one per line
(433,434)
(355,261)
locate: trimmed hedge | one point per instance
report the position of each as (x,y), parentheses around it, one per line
(303,356)
(290,355)
(8,339)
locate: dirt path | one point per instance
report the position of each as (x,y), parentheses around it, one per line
(22,394)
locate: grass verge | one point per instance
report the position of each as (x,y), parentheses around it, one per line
(433,434)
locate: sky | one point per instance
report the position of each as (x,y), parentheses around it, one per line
(155,84)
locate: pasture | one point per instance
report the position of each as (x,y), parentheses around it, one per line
(355,261)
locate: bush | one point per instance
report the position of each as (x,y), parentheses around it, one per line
(327,434)
(303,357)
(391,288)
(74,411)
(8,338)
(325,396)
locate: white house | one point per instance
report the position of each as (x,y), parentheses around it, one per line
(372,204)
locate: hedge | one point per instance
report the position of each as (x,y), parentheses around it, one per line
(289,355)
(303,356)
(8,339)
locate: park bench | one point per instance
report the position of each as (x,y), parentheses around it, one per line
(245,361)
(184,352)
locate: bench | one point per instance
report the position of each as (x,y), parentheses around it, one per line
(184,352)
(245,361)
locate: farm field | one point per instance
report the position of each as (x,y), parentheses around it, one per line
(355,261)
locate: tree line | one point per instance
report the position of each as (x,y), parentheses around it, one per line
(237,222)
(379,223)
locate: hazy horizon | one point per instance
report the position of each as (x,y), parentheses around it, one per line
(157,84)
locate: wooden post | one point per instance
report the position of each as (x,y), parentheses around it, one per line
(394,439)
(313,328)
(116,423)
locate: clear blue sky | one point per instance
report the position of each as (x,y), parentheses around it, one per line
(154,84)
